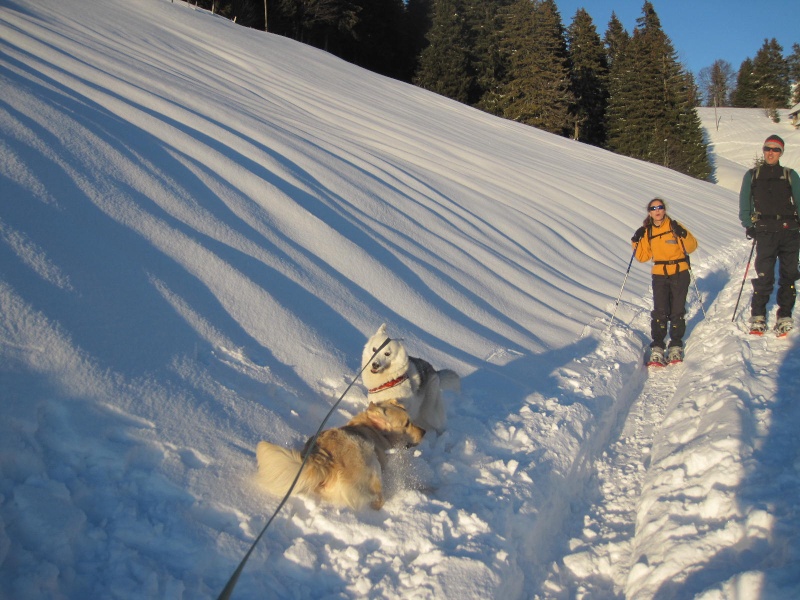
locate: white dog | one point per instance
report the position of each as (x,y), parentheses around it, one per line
(394,375)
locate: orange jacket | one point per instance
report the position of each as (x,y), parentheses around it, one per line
(665,246)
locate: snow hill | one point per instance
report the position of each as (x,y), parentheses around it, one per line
(201,224)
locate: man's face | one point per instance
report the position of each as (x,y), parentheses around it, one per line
(772,153)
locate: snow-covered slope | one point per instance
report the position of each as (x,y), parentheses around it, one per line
(201,224)
(734,136)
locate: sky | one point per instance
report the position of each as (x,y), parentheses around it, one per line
(702,31)
(200,227)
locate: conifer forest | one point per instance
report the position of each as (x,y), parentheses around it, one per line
(625,91)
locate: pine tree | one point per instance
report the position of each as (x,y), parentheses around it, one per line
(485,22)
(793,62)
(445,65)
(320,23)
(624,91)
(377,41)
(537,91)
(744,96)
(690,152)
(418,22)
(652,112)
(771,76)
(616,39)
(588,80)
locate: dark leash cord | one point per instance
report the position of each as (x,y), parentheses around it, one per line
(226,593)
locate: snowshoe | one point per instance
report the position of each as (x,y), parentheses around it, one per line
(758,325)
(657,358)
(783,326)
(675,355)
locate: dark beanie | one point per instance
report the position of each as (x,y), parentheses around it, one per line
(776,139)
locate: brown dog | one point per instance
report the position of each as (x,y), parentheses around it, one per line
(345,466)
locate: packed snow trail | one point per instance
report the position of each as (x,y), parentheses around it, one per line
(695,486)
(599,554)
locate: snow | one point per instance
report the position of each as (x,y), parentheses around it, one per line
(735,136)
(200,226)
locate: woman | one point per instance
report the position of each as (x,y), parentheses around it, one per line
(668,244)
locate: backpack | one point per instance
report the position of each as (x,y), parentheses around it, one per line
(786,178)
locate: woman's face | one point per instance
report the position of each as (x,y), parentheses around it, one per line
(656,209)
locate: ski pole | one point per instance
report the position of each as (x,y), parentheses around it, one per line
(699,298)
(739,297)
(692,277)
(622,288)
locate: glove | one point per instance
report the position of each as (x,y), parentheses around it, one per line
(678,229)
(750,232)
(638,235)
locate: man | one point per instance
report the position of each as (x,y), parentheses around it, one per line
(768,212)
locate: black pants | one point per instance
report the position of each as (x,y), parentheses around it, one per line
(781,246)
(669,306)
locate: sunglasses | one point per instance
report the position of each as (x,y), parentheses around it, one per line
(656,207)
(772,149)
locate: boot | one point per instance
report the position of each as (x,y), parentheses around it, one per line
(657,357)
(783,326)
(675,354)
(758,325)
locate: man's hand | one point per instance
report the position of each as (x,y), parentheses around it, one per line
(750,232)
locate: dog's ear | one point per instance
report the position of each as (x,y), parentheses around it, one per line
(382,329)
(377,417)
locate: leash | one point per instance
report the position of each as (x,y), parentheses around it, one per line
(228,590)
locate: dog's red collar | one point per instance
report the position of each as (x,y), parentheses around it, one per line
(389,384)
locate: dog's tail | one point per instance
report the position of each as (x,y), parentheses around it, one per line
(278,467)
(449,380)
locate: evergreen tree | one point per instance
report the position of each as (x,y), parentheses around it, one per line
(485,22)
(445,64)
(516,29)
(320,23)
(377,41)
(689,151)
(621,83)
(537,90)
(745,94)
(418,22)
(771,76)
(616,39)
(248,13)
(588,80)
(793,62)
(652,112)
